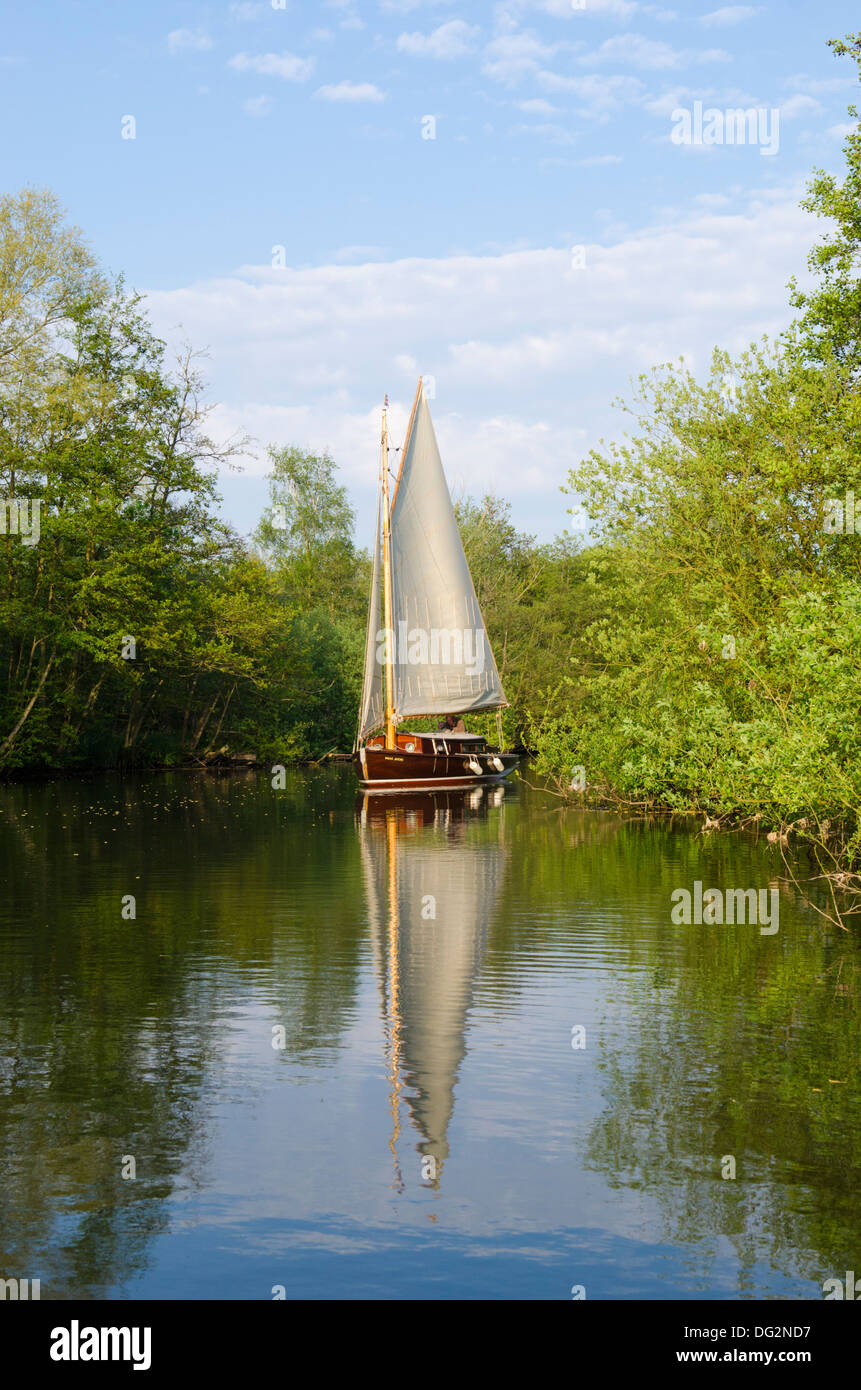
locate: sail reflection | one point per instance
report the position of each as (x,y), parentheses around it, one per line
(433,867)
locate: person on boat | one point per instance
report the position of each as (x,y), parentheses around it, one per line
(452,724)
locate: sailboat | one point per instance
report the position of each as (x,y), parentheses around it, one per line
(430,655)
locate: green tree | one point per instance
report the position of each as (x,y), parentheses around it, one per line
(306,531)
(831,312)
(720,663)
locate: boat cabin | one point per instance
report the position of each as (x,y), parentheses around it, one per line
(435,743)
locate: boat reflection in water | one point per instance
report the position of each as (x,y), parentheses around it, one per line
(433,864)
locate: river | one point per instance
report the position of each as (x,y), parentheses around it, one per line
(259,1043)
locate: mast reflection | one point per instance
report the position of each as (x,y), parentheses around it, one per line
(433,866)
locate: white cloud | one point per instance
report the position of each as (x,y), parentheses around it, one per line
(189,41)
(598,97)
(514,56)
(638,51)
(564,9)
(798,105)
(805,83)
(537,106)
(285,65)
(549,130)
(257,106)
(527,352)
(713,200)
(350,91)
(842,129)
(597,159)
(244,12)
(407,6)
(653,54)
(452,40)
(730,14)
(667,102)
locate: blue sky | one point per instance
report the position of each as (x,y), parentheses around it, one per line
(302,127)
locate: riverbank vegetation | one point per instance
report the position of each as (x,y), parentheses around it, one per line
(702,651)
(135,626)
(723,669)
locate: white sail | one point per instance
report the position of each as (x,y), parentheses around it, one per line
(372,712)
(443,662)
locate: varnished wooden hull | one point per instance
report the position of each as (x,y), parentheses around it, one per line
(384,768)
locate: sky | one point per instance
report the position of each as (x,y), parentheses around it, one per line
(331,199)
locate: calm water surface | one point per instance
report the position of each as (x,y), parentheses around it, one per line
(336,1040)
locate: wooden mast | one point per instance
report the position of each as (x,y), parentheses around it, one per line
(396,1027)
(391,727)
